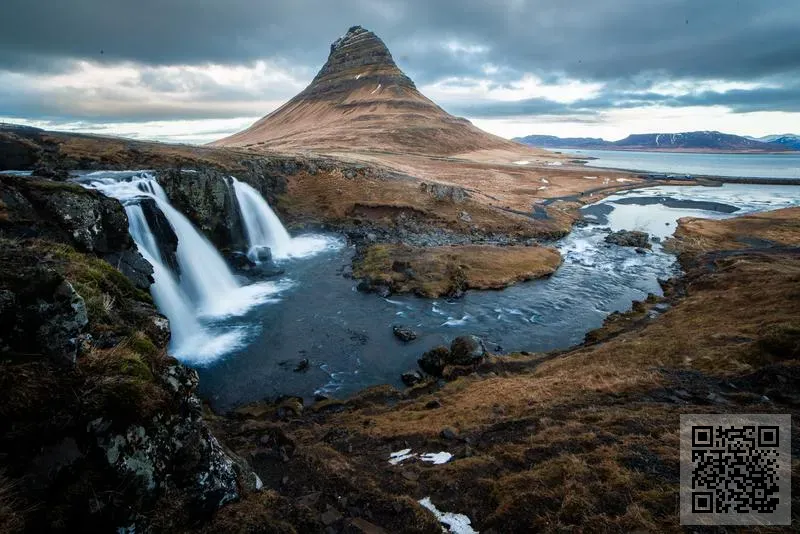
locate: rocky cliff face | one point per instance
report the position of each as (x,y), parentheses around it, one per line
(99,428)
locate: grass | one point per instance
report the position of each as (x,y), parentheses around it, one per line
(585,440)
(436,271)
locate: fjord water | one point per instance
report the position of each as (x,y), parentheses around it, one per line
(775,166)
(347,335)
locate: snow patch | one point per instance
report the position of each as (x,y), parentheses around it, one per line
(376,89)
(436,458)
(521,162)
(399,457)
(555,163)
(456,523)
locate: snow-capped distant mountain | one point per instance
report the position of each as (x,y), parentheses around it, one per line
(685,141)
(790,141)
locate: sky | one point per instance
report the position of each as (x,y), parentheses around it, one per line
(196,70)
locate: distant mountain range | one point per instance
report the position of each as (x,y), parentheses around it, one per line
(685,141)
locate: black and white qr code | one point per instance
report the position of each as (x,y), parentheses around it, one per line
(735,469)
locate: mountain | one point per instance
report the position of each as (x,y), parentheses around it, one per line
(789,141)
(361,100)
(685,141)
(551,141)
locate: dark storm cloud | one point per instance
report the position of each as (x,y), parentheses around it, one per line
(628,45)
(583,39)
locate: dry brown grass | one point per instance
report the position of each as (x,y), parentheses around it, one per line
(780,227)
(331,197)
(436,271)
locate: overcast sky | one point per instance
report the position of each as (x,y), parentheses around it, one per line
(196,70)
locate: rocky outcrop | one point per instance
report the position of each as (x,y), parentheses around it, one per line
(445,193)
(206,196)
(100,430)
(166,239)
(66,212)
(466,350)
(629,238)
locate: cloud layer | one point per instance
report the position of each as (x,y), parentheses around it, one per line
(121,61)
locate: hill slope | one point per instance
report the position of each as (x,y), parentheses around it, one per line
(361,100)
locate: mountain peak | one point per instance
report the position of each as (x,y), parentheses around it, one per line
(357,59)
(361,100)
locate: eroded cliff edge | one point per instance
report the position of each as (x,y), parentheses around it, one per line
(100,428)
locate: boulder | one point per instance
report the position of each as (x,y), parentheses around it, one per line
(466,350)
(433,361)
(404,333)
(445,193)
(629,238)
(410,378)
(260,254)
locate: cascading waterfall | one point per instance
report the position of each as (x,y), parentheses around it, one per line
(262,227)
(205,288)
(166,292)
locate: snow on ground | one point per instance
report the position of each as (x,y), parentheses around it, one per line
(555,163)
(521,162)
(400,456)
(436,458)
(456,523)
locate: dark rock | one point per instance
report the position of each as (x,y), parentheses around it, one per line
(410,378)
(330,516)
(51,173)
(445,193)
(629,238)
(640,250)
(302,366)
(466,350)
(261,254)
(433,404)
(433,361)
(207,199)
(238,260)
(449,433)
(17,153)
(404,333)
(290,407)
(166,238)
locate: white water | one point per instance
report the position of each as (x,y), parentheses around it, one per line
(205,289)
(264,229)
(261,225)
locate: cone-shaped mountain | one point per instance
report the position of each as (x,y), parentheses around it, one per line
(361,101)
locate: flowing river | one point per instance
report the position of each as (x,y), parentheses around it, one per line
(246,336)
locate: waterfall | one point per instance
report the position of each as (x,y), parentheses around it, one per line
(166,292)
(262,227)
(205,277)
(205,288)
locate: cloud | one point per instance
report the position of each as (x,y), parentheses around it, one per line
(121,61)
(585,39)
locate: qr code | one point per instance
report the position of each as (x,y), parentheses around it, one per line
(735,469)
